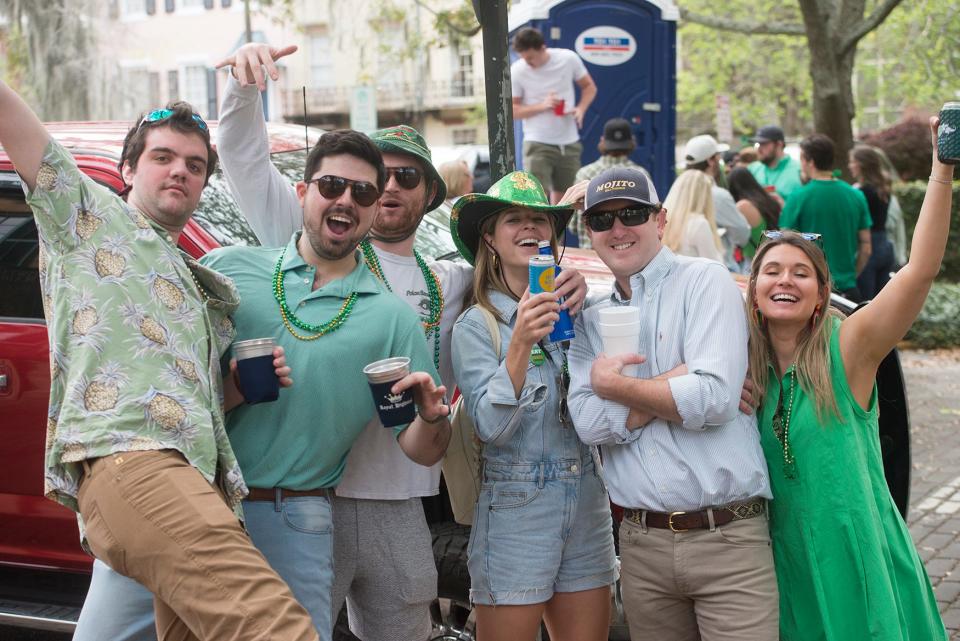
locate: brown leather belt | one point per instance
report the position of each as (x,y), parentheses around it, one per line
(683,521)
(270,493)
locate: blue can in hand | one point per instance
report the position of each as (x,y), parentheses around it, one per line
(563,328)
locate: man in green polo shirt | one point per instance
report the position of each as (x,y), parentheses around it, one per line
(135,436)
(833,209)
(317,298)
(773,166)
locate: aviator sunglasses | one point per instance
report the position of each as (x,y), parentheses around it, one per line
(775,234)
(363,193)
(407,177)
(602,221)
(158,115)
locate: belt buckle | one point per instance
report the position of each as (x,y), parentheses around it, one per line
(670,522)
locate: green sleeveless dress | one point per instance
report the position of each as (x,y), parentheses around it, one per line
(846,566)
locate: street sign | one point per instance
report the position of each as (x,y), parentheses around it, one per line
(363,109)
(724,120)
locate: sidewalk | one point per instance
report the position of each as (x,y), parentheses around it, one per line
(933,387)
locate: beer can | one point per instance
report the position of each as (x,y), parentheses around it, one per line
(948,136)
(563,328)
(542,270)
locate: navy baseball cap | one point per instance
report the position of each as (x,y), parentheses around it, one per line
(620,182)
(770,133)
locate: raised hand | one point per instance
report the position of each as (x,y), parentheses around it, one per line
(536,316)
(251,59)
(571,284)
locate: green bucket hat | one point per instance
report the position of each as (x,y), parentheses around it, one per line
(404,139)
(517,189)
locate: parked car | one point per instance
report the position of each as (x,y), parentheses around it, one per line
(43,572)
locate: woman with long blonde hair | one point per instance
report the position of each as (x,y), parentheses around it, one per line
(541,547)
(846,565)
(691,228)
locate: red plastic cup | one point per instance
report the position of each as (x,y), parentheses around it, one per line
(770,188)
(558,108)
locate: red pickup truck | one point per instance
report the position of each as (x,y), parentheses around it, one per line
(43,572)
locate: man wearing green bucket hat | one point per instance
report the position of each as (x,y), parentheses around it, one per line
(378,498)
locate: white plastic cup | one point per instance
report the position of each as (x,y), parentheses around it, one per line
(620,332)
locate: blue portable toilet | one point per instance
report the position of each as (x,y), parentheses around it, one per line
(629,48)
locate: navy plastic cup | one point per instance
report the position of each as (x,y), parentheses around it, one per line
(393,409)
(258,380)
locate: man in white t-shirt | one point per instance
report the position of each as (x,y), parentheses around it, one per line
(543,82)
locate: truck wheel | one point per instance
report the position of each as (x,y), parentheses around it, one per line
(451,613)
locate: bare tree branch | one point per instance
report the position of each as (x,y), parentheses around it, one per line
(744,26)
(444,17)
(867,25)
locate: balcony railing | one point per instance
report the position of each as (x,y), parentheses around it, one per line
(400,96)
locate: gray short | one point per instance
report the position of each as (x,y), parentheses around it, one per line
(384,568)
(555,166)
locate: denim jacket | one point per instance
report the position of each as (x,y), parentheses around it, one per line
(516,431)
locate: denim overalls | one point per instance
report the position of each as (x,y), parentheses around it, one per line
(542,522)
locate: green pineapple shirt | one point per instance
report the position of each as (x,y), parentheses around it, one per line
(134,345)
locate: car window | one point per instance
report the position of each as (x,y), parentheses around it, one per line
(19,259)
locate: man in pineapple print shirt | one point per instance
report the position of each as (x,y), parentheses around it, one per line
(135,438)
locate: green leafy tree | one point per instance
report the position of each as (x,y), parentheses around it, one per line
(832,30)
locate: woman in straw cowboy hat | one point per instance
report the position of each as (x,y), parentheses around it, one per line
(542,544)
(846,566)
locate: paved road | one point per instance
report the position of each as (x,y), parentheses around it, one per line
(933,388)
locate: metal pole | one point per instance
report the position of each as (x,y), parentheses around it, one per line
(492,15)
(248,32)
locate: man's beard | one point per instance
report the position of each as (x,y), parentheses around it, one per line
(394,232)
(328,250)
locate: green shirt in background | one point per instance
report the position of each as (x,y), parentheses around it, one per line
(837,211)
(785,177)
(134,347)
(300,442)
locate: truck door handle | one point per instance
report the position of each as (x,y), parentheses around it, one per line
(3,381)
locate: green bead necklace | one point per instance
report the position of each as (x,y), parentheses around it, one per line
(781,428)
(431,324)
(290,319)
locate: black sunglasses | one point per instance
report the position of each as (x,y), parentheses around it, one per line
(407,177)
(602,221)
(363,193)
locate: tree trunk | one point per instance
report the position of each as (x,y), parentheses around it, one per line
(831,70)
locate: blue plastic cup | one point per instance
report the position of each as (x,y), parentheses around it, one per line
(258,379)
(393,409)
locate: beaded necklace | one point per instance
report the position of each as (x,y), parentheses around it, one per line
(431,324)
(781,427)
(290,319)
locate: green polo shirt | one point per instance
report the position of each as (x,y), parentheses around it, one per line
(838,212)
(301,441)
(785,177)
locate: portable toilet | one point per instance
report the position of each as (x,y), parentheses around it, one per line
(629,48)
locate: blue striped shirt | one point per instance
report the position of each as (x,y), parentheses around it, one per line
(692,313)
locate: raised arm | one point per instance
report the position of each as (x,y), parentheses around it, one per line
(868,335)
(267,198)
(22,135)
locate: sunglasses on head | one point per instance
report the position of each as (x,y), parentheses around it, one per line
(363,193)
(407,177)
(630,217)
(158,115)
(775,234)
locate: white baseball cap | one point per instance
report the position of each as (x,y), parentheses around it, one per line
(700,148)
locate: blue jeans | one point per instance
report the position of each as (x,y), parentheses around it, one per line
(296,537)
(116,608)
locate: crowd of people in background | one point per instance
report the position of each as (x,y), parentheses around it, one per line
(739,437)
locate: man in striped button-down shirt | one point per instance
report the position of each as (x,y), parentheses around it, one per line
(678,455)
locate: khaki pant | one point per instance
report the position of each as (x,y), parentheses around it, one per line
(714,585)
(153,517)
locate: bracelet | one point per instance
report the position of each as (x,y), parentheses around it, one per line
(942,181)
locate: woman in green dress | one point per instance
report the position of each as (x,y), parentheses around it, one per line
(846,566)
